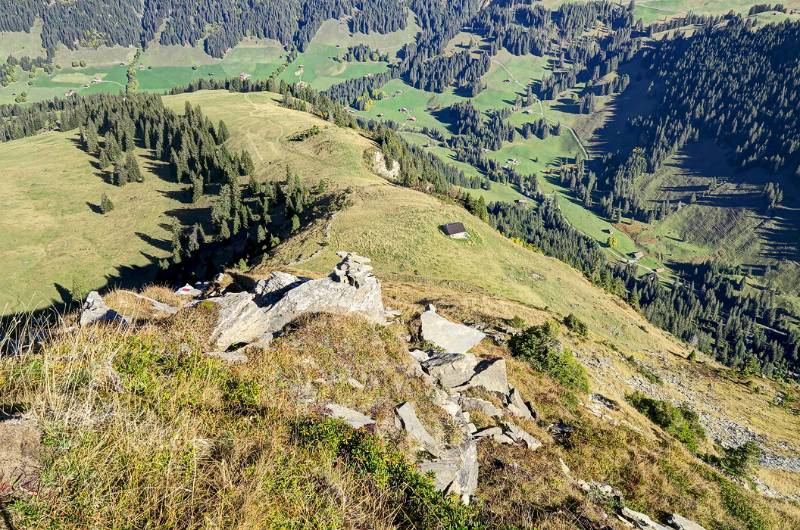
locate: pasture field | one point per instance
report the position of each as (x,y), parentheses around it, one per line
(51,236)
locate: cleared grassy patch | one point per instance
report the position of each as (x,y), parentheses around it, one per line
(50,235)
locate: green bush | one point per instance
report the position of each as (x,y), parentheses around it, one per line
(419,505)
(738,461)
(576,325)
(738,505)
(681,422)
(539,347)
(240,393)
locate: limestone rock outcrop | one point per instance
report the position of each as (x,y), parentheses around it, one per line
(449,336)
(240,321)
(351,288)
(95,310)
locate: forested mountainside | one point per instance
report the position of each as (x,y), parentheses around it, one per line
(219,25)
(734,84)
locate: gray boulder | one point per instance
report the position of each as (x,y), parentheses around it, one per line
(450,337)
(682,523)
(407,416)
(456,471)
(517,406)
(350,289)
(519,435)
(240,321)
(95,310)
(451,369)
(352,417)
(272,288)
(641,521)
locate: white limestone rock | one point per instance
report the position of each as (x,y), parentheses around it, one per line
(450,337)
(240,321)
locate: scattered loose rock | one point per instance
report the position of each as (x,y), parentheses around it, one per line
(456,471)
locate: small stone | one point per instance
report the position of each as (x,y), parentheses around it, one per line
(517,406)
(518,434)
(419,355)
(488,432)
(642,521)
(486,407)
(354,383)
(352,417)
(682,523)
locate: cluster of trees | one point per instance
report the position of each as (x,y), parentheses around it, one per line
(8,70)
(734,84)
(137,23)
(362,53)
(540,128)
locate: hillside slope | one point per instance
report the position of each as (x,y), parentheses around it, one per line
(188,440)
(398,229)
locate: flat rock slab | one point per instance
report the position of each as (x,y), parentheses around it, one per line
(407,414)
(351,417)
(450,337)
(642,521)
(490,374)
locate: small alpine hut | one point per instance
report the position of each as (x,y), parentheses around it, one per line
(455,230)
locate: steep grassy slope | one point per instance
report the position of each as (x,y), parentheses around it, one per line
(52,235)
(399,229)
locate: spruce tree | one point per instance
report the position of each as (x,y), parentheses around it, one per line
(132,169)
(222,133)
(105,204)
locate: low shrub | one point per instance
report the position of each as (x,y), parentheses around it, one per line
(419,505)
(681,422)
(575,325)
(539,347)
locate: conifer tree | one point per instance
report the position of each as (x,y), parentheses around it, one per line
(105,204)
(132,170)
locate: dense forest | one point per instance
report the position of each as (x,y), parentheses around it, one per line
(733,84)
(133,23)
